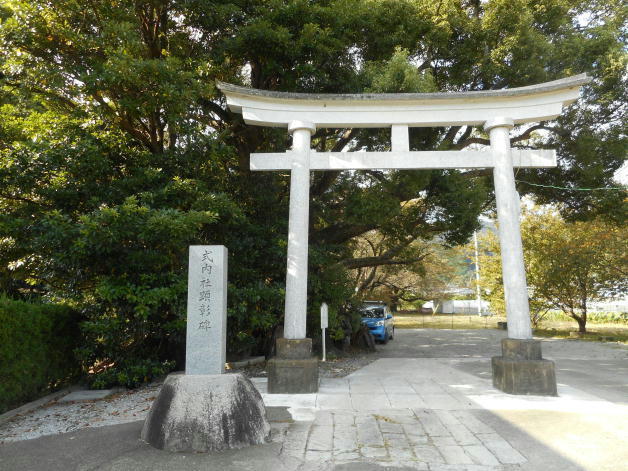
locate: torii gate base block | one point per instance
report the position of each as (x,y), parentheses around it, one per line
(522,370)
(294,370)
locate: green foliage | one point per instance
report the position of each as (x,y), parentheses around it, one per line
(36,346)
(135,374)
(568,264)
(323,286)
(596,317)
(430,271)
(253,313)
(398,75)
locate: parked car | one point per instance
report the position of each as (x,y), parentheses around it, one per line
(377,317)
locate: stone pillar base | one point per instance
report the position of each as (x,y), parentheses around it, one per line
(293,370)
(522,370)
(201,413)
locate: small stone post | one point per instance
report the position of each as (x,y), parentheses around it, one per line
(520,369)
(294,370)
(324,326)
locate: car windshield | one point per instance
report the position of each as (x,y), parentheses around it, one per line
(377,312)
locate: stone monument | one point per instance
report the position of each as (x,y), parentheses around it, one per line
(204,409)
(520,369)
(206,335)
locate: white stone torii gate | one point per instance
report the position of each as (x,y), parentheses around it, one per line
(498,111)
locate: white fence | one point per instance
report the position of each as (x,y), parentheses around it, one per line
(470,306)
(609,306)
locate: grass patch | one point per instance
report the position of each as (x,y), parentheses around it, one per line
(592,317)
(602,331)
(595,335)
(445,321)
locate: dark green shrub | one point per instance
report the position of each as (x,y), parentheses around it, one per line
(131,375)
(36,349)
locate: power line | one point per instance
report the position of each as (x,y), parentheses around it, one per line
(572,189)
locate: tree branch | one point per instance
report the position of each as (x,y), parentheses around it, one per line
(387,258)
(328,178)
(340,233)
(362,262)
(472,140)
(41,91)
(465,140)
(23,199)
(465,135)
(448,140)
(215,108)
(526,134)
(369,280)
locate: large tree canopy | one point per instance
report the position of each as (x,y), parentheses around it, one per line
(117,151)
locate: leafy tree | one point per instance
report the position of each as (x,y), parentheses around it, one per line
(568,264)
(425,271)
(492,283)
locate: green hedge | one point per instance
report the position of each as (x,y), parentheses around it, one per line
(599,317)
(36,349)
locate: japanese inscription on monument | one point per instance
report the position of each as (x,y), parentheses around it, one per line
(207,310)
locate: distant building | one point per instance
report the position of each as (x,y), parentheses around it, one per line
(456,306)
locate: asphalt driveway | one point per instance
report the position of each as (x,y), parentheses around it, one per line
(598,368)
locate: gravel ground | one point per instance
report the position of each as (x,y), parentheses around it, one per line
(130,406)
(343,366)
(55,417)
(340,365)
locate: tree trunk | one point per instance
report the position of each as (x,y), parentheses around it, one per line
(582,319)
(582,324)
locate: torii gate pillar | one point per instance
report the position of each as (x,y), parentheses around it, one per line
(520,369)
(295,370)
(508,204)
(298,223)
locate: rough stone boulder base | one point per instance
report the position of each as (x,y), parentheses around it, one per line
(204,413)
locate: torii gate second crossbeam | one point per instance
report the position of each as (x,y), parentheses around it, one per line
(520,369)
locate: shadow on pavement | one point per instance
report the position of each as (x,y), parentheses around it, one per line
(118,448)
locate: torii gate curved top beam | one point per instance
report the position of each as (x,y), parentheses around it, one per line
(524,104)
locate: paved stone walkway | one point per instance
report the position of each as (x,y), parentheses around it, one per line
(402,418)
(421,413)
(420,438)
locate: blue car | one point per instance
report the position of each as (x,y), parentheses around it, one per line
(378,318)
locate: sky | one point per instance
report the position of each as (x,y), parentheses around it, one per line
(621,175)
